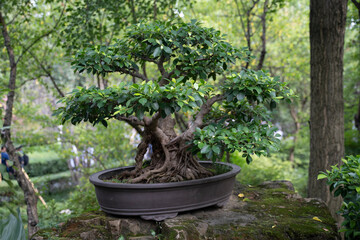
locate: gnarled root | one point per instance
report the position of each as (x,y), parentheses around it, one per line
(170,163)
(182,167)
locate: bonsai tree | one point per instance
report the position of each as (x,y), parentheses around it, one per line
(228,114)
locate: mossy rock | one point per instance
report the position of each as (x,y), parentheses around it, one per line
(97,225)
(271,210)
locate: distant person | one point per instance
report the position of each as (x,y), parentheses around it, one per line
(23,158)
(5,160)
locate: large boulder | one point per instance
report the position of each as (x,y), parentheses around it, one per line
(271,210)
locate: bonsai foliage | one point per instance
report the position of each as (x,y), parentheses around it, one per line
(345,182)
(227,114)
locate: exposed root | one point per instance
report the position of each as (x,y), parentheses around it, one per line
(171,160)
(183,166)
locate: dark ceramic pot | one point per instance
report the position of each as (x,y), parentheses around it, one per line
(159,201)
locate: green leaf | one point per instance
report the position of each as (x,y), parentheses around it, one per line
(205,149)
(155,106)
(143,101)
(216,149)
(203,75)
(321,176)
(140,114)
(192,60)
(157,52)
(107,60)
(272,105)
(167,49)
(240,96)
(98,67)
(167,110)
(258,90)
(208,43)
(224,66)
(248,159)
(104,122)
(106,68)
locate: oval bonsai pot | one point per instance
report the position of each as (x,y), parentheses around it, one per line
(158,201)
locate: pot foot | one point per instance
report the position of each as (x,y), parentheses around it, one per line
(221,204)
(159,217)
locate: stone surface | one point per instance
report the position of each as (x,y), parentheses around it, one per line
(271,210)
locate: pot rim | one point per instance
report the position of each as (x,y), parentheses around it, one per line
(94,179)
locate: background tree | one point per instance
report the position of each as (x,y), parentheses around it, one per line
(352,80)
(327,32)
(17,50)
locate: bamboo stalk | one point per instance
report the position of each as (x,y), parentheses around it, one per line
(34,188)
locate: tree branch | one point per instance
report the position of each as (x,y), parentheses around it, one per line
(144,69)
(29,80)
(162,70)
(145,58)
(133,73)
(133,11)
(263,36)
(6,135)
(48,74)
(357,4)
(133,122)
(151,123)
(12,20)
(240,16)
(155,10)
(204,109)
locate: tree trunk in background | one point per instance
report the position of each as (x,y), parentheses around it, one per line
(25,185)
(327,30)
(297,125)
(357,116)
(263,36)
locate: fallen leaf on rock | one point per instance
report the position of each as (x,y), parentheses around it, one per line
(241,195)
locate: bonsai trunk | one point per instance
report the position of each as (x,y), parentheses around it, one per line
(171,161)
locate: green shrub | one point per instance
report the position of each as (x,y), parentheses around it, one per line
(345,181)
(43,154)
(41,168)
(83,199)
(271,168)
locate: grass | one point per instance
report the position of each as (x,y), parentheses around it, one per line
(43,157)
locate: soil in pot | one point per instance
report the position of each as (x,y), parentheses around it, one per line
(214,169)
